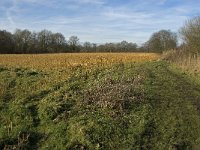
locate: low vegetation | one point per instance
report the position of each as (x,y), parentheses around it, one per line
(126,105)
(63,62)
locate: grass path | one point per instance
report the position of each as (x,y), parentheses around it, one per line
(151,105)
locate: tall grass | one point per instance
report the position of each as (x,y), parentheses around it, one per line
(181,57)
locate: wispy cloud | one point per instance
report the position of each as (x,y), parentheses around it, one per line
(98,20)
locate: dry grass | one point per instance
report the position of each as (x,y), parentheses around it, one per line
(63,61)
(184,60)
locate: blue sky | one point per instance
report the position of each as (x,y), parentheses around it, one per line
(98,21)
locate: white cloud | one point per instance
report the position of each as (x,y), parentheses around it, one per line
(124,14)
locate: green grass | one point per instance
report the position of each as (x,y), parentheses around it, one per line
(151,105)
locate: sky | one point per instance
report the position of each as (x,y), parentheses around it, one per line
(98,21)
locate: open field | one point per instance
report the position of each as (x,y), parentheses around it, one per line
(103,101)
(65,61)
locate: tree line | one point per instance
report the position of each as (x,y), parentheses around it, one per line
(45,41)
(25,41)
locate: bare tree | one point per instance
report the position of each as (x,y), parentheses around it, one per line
(58,42)
(22,39)
(44,39)
(74,43)
(162,40)
(6,42)
(87,47)
(190,34)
